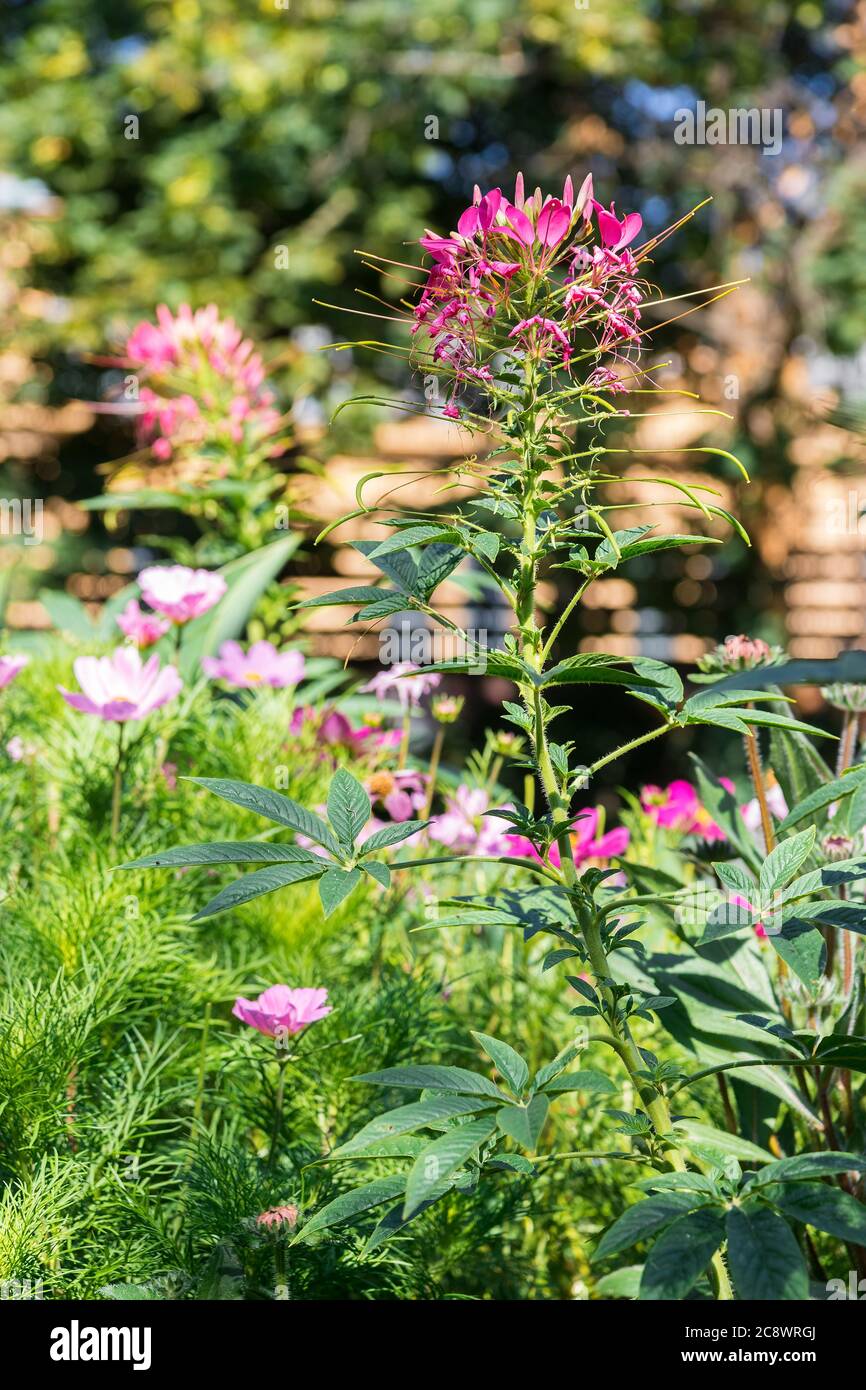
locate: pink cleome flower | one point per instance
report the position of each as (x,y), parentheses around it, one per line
(118,688)
(499,261)
(224,399)
(467,824)
(280,1009)
(401,681)
(261,665)
(180,593)
(589,842)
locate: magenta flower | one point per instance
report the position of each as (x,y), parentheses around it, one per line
(180,593)
(261,665)
(224,400)
(466,824)
(10,667)
(586,841)
(141,628)
(402,793)
(410,689)
(119,688)
(335,730)
(500,259)
(678,807)
(280,1010)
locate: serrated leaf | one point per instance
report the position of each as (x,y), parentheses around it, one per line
(272,806)
(443,1157)
(783,862)
(226,852)
(435,1078)
(391,835)
(354,1203)
(349,807)
(803,1166)
(254,885)
(524,1123)
(681,1254)
(584,1080)
(508,1062)
(765,1260)
(335,885)
(822,797)
(826,1208)
(406,1118)
(644,1219)
(378,871)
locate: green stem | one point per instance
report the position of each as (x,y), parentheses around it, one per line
(435,755)
(278,1114)
(117,791)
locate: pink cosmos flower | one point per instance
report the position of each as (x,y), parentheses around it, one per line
(10,667)
(335,730)
(280,1009)
(410,689)
(19,751)
(261,665)
(466,824)
(180,593)
(402,793)
(141,628)
(119,688)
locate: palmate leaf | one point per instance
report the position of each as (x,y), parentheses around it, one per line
(443,1157)
(243,890)
(273,806)
(765,1259)
(681,1254)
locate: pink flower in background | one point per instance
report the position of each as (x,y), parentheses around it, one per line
(168,772)
(751,811)
(119,687)
(180,593)
(334,729)
(141,628)
(410,689)
(465,824)
(10,667)
(586,841)
(224,399)
(261,665)
(280,1009)
(19,751)
(276,1217)
(402,793)
(678,807)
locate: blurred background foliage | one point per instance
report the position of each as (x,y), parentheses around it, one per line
(174,152)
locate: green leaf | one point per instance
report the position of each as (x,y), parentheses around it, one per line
(826,1208)
(785,861)
(243,890)
(721,1141)
(822,797)
(442,1158)
(807,1166)
(456,1079)
(509,1063)
(802,947)
(681,1254)
(668,690)
(377,870)
(349,807)
(356,593)
(407,536)
(392,835)
(644,1219)
(226,852)
(524,1123)
(422,1114)
(765,1259)
(273,806)
(335,885)
(350,1204)
(621,1283)
(593,668)
(587,1080)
